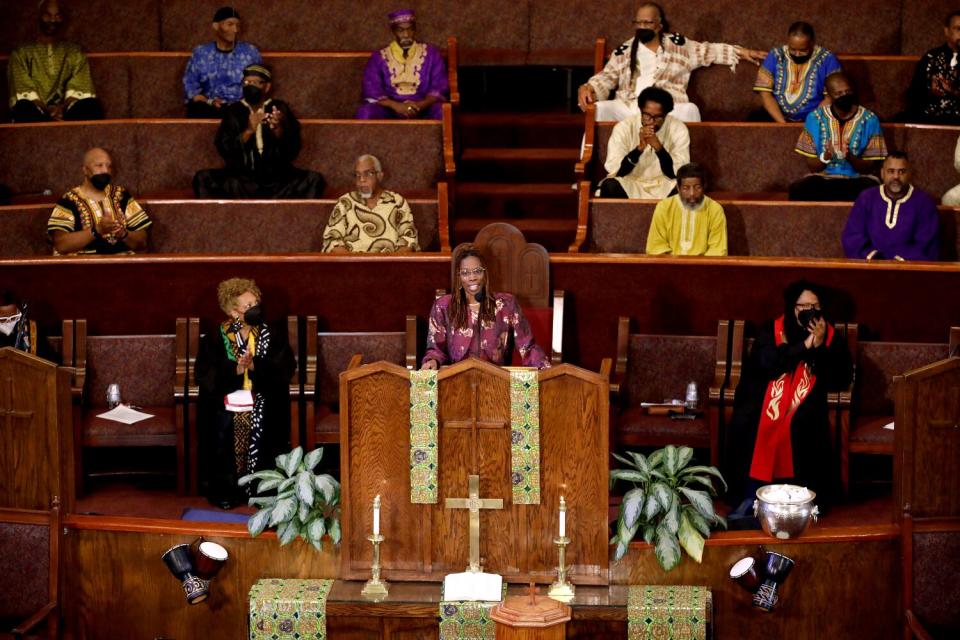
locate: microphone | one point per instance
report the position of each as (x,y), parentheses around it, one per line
(480,296)
(477,326)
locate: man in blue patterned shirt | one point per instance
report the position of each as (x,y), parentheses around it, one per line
(214,73)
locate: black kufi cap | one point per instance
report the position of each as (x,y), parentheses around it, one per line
(224,13)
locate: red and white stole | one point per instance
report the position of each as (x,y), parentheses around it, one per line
(773,450)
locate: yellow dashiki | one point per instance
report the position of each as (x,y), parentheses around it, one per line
(50,73)
(73,212)
(676,230)
(798,88)
(387,227)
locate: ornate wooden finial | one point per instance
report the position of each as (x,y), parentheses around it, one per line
(532,590)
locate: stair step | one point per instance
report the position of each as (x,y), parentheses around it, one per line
(520,130)
(554,234)
(523,164)
(515,200)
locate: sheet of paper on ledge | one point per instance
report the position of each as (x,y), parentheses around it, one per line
(486,587)
(889,425)
(126,415)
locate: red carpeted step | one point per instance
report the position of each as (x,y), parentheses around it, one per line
(527,164)
(554,234)
(520,129)
(515,200)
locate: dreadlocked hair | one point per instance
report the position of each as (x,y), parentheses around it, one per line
(459,306)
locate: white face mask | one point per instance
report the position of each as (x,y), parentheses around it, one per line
(8,324)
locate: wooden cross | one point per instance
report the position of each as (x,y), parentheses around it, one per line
(6,409)
(532,590)
(473,424)
(474,503)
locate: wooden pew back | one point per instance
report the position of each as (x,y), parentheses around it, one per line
(151,156)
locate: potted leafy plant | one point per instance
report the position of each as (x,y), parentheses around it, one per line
(305,505)
(670,502)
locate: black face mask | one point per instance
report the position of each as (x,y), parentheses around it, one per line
(253,316)
(801,59)
(252,94)
(646,35)
(846,102)
(100,181)
(807,316)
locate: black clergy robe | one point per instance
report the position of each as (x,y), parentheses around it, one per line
(217,376)
(814,464)
(261,167)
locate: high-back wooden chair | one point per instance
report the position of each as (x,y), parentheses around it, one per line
(523,269)
(30,542)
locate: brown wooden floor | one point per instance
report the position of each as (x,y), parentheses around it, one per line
(867,506)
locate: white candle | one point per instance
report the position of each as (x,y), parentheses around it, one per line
(563,517)
(376,515)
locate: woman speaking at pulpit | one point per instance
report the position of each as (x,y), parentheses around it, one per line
(243,371)
(476,322)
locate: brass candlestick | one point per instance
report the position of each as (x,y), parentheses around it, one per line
(375,589)
(561,589)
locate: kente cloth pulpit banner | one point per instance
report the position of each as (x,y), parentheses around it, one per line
(467,620)
(663,612)
(524,436)
(289,608)
(423,437)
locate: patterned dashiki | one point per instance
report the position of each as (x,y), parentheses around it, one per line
(860,134)
(798,88)
(679,231)
(73,212)
(391,75)
(647,179)
(215,73)
(447,344)
(386,227)
(677,57)
(881,228)
(49,72)
(925,104)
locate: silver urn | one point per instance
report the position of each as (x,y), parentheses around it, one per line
(785,510)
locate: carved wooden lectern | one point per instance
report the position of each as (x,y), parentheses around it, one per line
(428,541)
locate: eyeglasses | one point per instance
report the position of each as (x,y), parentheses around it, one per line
(14,318)
(649,116)
(365,174)
(257,82)
(465,273)
(807,306)
(646,23)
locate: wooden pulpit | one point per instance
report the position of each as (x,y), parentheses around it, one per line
(927,440)
(428,541)
(35,432)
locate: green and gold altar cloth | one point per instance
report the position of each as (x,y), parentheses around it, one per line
(656,612)
(423,437)
(467,620)
(289,609)
(524,437)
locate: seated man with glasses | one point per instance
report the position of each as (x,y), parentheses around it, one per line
(656,58)
(645,150)
(474,322)
(370,219)
(259,138)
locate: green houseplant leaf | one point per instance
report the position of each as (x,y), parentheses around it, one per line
(668,501)
(306,505)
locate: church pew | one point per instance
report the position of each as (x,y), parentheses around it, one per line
(759,157)
(151,156)
(787,229)
(666,296)
(724,95)
(322,84)
(199,226)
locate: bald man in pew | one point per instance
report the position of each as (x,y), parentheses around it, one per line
(97,217)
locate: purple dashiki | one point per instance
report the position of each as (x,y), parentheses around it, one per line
(390,75)
(904,229)
(446,344)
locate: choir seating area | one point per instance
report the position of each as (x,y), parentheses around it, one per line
(106,501)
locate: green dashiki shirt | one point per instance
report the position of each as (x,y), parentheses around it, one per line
(49,72)
(73,212)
